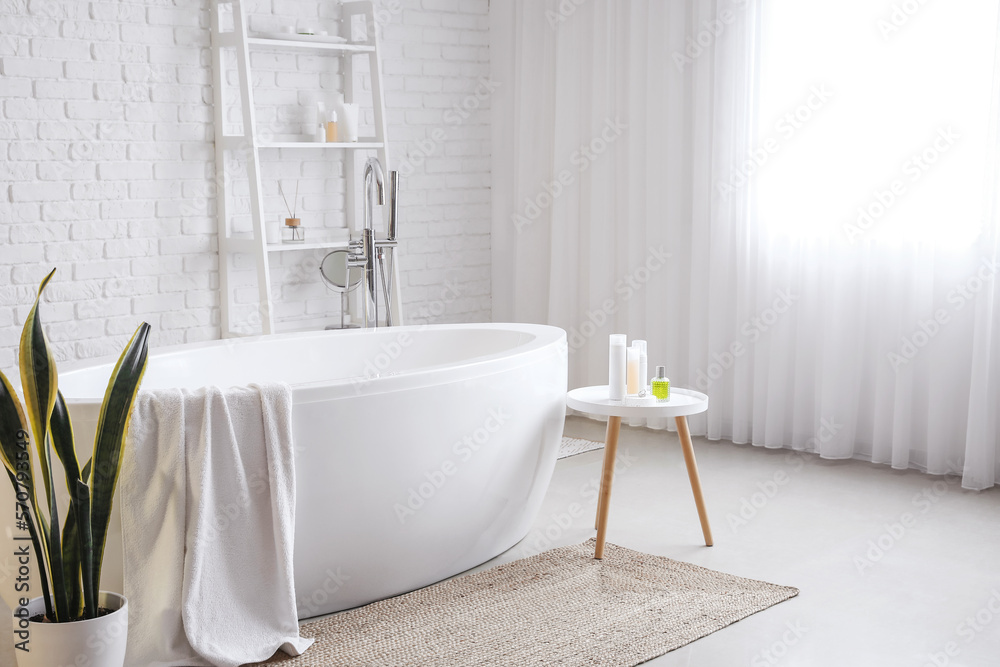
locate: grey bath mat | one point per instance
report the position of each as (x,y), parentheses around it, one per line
(560,607)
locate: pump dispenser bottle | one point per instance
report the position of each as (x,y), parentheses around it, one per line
(643,368)
(331,128)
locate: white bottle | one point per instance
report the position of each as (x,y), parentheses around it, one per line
(632,377)
(616,367)
(319,135)
(347,120)
(643,368)
(332,131)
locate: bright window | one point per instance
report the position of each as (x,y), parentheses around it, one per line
(874,117)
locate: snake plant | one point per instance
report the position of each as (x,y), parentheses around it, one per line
(68,554)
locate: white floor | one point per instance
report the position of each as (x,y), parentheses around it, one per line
(894,568)
(873,590)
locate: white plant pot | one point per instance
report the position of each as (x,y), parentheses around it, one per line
(95,642)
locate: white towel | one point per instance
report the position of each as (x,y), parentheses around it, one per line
(208,514)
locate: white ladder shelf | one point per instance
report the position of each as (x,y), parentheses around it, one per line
(251,144)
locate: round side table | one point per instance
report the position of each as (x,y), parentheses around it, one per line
(683,402)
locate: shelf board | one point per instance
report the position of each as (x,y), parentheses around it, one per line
(244,243)
(238,141)
(320,144)
(299,325)
(302,44)
(322,244)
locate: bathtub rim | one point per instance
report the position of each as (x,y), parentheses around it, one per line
(546,340)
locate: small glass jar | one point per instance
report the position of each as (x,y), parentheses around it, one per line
(292,232)
(661,385)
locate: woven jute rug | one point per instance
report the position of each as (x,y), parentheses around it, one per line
(560,607)
(574,446)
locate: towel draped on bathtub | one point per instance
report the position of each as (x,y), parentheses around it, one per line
(208,516)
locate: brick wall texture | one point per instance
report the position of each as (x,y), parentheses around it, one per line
(108,164)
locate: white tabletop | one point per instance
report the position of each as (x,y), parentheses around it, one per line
(595,401)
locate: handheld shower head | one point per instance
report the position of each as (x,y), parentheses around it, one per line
(393,192)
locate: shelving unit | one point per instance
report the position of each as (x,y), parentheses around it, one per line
(255,243)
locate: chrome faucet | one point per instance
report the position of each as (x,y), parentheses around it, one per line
(366,251)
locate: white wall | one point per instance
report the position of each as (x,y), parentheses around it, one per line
(106,129)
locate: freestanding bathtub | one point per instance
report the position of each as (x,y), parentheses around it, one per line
(420,451)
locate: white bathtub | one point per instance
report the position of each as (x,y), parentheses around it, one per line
(420,451)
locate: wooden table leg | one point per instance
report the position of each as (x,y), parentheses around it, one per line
(607,439)
(692,466)
(607,476)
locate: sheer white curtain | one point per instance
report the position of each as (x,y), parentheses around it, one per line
(637,184)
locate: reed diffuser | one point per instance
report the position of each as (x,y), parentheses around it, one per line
(292,231)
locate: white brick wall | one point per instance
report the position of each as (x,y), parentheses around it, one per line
(108,164)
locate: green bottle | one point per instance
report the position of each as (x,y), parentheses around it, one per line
(661,385)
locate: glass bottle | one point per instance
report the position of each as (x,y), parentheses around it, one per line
(661,385)
(292,232)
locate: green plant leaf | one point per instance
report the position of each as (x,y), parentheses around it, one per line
(39,380)
(71,564)
(81,504)
(40,553)
(12,424)
(61,430)
(54,540)
(17,461)
(116,412)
